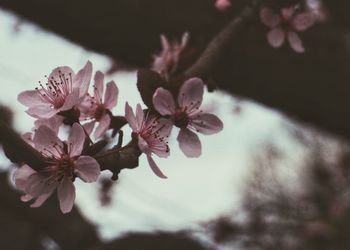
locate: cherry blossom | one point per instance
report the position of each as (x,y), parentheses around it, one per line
(152,133)
(64,164)
(223,5)
(288,24)
(96,108)
(167,61)
(63,90)
(186,115)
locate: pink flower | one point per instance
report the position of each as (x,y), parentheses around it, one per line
(186,115)
(287,23)
(64,164)
(64,90)
(96,108)
(222,5)
(167,61)
(152,133)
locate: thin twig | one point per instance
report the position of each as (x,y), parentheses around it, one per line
(218,46)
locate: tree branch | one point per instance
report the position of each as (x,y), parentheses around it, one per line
(21,152)
(221,42)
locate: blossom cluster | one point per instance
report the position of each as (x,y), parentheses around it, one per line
(64,100)
(166,62)
(286,23)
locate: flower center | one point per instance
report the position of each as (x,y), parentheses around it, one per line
(152,134)
(99,112)
(60,163)
(180,119)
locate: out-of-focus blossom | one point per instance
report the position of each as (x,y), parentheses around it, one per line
(152,134)
(186,115)
(223,5)
(166,62)
(63,90)
(64,164)
(96,108)
(288,23)
(317,9)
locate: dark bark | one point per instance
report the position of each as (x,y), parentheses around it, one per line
(29,226)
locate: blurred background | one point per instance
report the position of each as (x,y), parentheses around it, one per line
(276,177)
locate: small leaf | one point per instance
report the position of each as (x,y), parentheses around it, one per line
(147,83)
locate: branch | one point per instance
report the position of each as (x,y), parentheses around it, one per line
(219,45)
(21,152)
(18,150)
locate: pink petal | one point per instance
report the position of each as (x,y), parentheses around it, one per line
(269,17)
(82,79)
(207,123)
(28,138)
(89,127)
(53,123)
(46,140)
(130,117)
(21,176)
(66,195)
(313,4)
(162,150)
(163,102)
(87,107)
(59,71)
(30,98)
(222,5)
(71,100)
(87,168)
(164,127)
(42,111)
(184,39)
(26,198)
(295,42)
(155,168)
(98,86)
(111,95)
(287,13)
(189,143)
(191,94)
(276,37)
(303,21)
(103,126)
(143,146)
(159,65)
(139,116)
(41,199)
(37,185)
(165,43)
(76,140)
